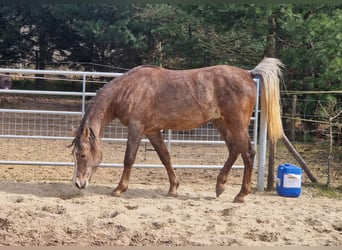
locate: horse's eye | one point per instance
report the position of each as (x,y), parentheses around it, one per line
(82,156)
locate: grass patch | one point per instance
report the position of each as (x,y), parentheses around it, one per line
(323,190)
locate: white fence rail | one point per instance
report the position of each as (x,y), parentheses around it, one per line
(40,137)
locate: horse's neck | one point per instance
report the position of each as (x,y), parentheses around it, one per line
(99,116)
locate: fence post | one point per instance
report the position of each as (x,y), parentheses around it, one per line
(256,118)
(262,146)
(169,137)
(83,93)
(293,116)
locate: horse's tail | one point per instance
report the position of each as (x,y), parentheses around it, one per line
(270,69)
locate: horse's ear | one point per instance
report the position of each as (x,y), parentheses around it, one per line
(86,132)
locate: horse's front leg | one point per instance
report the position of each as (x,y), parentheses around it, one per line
(133,142)
(157,141)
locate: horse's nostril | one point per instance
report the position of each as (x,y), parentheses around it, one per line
(80,183)
(77,185)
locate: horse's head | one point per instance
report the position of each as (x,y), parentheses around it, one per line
(87,153)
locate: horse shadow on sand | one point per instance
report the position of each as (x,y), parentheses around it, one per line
(65,191)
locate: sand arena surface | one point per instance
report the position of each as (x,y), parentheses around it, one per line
(40,206)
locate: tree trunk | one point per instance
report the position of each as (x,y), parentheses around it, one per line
(270,175)
(40,58)
(270,50)
(330,154)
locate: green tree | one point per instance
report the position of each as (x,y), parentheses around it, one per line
(171,35)
(306,38)
(104,33)
(46,37)
(11,40)
(311,47)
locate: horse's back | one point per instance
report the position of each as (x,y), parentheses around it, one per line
(184,99)
(224,78)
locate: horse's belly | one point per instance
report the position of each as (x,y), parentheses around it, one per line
(184,120)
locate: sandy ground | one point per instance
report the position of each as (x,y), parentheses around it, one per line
(35,209)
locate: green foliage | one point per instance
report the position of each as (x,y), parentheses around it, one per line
(307,38)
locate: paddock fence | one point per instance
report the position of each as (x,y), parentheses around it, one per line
(35,128)
(312,121)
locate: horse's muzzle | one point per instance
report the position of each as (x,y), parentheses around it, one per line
(81,183)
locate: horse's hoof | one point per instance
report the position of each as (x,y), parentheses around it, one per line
(219,191)
(172,194)
(238,199)
(115,194)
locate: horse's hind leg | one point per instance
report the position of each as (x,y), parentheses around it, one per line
(233,155)
(161,149)
(247,153)
(237,141)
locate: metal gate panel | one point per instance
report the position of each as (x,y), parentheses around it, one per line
(41,137)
